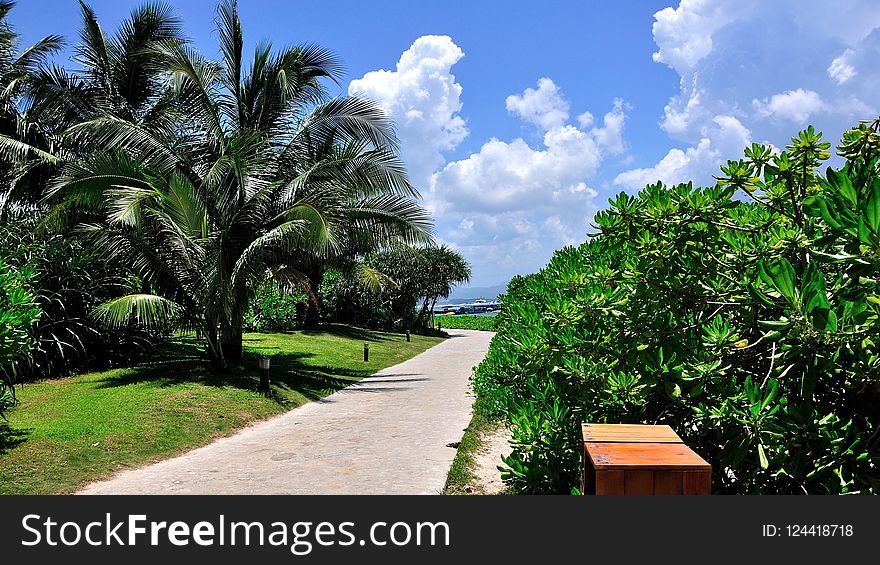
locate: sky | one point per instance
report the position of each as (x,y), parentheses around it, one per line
(519,120)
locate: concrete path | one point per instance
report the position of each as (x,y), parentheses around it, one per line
(386,434)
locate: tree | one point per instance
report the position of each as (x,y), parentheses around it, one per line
(21,141)
(446,268)
(258,174)
(416,274)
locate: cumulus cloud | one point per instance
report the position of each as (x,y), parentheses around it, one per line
(610,135)
(684,34)
(543,107)
(724,140)
(508,206)
(512,203)
(749,60)
(794,105)
(841,70)
(424,100)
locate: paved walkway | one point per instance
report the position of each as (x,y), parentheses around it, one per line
(386,434)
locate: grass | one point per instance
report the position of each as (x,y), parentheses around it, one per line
(461,478)
(466,322)
(68,432)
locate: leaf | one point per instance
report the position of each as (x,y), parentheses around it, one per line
(762,457)
(840,180)
(872,207)
(673,390)
(780,275)
(813,289)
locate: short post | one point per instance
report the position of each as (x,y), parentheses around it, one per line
(407,336)
(265,362)
(438,326)
(366,352)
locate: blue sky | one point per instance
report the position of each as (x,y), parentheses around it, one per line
(519,119)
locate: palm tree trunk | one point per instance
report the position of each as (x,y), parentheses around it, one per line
(314,306)
(231,342)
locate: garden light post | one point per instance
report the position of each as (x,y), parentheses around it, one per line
(407,336)
(366,352)
(265,362)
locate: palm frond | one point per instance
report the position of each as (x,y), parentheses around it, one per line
(347,119)
(147,310)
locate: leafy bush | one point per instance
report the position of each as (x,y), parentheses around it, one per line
(467,322)
(276,309)
(17,313)
(406,284)
(347,300)
(69,281)
(749,324)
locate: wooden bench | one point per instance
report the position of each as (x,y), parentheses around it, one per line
(640,459)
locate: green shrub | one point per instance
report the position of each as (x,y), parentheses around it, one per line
(276,309)
(68,282)
(467,322)
(17,313)
(744,315)
(346,300)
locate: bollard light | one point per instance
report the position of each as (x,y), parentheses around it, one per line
(366,352)
(407,336)
(265,363)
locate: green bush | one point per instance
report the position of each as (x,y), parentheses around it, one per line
(276,309)
(68,282)
(745,315)
(467,322)
(346,300)
(17,313)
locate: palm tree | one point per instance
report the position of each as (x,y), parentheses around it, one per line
(446,268)
(260,174)
(20,141)
(118,76)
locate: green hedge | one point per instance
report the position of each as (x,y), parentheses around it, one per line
(744,315)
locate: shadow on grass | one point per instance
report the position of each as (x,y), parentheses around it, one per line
(11,437)
(349,332)
(183,360)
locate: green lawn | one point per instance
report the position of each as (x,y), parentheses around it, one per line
(467,322)
(67,432)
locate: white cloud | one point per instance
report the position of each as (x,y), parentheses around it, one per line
(610,136)
(585,120)
(543,107)
(684,34)
(724,140)
(510,205)
(773,66)
(794,105)
(840,70)
(508,176)
(424,100)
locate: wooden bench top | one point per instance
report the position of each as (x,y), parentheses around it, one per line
(628,433)
(643,456)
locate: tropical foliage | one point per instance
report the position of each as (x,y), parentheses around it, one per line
(205,177)
(744,315)
(405,283)
(68,281)
(17,313)
(276,308)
